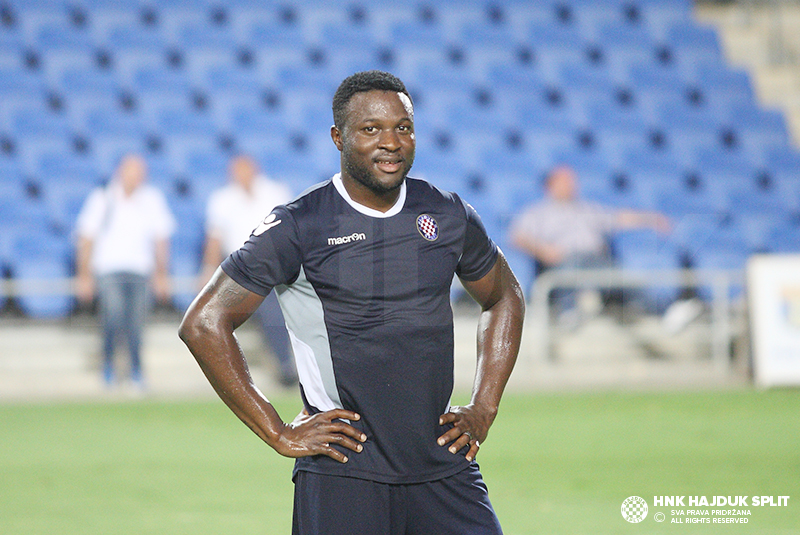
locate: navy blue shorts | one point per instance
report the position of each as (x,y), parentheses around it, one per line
(335,505)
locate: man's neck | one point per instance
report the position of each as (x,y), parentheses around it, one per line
(358,192)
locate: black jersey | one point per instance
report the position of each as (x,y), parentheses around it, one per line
(366,299)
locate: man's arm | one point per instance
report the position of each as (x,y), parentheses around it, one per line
(212,256)
(84,280)
(499,333)
(634,219)
(161,287)
(208,331)
(546,253)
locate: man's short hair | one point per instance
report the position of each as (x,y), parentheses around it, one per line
(361,82)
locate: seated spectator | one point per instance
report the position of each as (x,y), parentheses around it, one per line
(564,231)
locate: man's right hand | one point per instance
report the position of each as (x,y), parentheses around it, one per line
(84,289)
(311,435)
(549,255)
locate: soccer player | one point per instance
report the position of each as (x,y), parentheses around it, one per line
(362,265)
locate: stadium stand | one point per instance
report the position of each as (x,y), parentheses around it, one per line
(636,94)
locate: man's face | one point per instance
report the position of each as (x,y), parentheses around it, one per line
(563,184)
(132,173)
(377,140)
(243,171)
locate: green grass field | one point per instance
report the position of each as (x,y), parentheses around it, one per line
(554,463)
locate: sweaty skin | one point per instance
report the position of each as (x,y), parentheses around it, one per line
(377,147)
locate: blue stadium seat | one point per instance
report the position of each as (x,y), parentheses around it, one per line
(550,109)
(203,36)
(307,78)
(16,81)
(182,122)
(554,35)
(680,115)
(208,166)
(230,79)
(46,306)
(274,34)
(33,122)
(413,34)
(644,250)
(160,81)
(752,200)
(65,198)
(784,238)
(57,166)
(760,127)
(135,39)
(527,13)
(723,167)
(784,160)
(548,72)
(339,36)
(247,122)
(516,79)
(694,43)
(660,15)
(653,78)
(89,82)
(309,110)
(722,82)
(587,78)
(591,17)
(12,205)
(729,258)
(56,38)
(104,122)
(478,35)
(757,229)
(678,203)
(447,171)
(187,242)
(624,44)
(604,113)
(511,194)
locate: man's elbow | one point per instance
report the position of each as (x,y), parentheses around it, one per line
(192,328)
(516,299)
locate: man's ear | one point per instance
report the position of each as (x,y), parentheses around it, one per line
(336,136)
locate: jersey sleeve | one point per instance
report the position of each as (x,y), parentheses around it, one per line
(480,252)
(270,257)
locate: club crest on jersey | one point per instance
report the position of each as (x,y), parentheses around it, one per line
(427,226)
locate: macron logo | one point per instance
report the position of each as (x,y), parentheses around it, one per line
(356,236)
(269,222)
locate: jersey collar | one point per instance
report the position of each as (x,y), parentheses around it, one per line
(394,210)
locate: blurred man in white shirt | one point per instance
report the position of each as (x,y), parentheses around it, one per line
(233,212)
(123,233)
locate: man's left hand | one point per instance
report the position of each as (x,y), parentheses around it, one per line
(470,427)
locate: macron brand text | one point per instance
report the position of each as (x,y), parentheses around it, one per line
(356,236)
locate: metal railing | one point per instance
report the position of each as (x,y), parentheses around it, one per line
(65,286)
(720,281)
(538,344)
